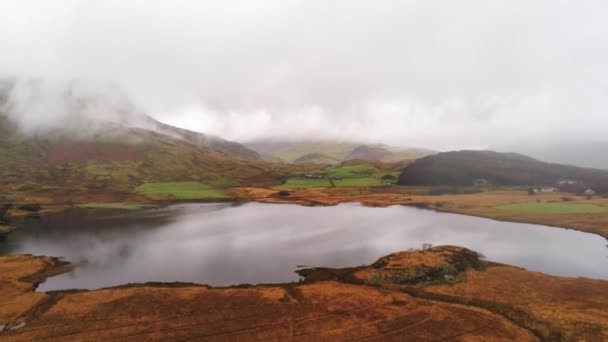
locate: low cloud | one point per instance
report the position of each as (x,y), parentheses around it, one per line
(437,74)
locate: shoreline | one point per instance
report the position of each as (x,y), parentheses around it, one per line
(319,197)
(432,284)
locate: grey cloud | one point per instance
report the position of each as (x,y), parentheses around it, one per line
(433,73)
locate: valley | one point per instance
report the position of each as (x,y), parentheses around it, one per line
(303,171)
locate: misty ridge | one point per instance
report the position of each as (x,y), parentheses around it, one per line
(87,110)
(42,106)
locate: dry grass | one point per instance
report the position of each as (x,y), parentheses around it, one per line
(484,204)
(575,309)
(325,310)
(499,304)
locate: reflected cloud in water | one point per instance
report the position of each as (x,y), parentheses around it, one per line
(225,244)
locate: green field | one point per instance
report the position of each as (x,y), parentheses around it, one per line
(553,208)
(182,190)
(359,175)
(357,182)
(295,183)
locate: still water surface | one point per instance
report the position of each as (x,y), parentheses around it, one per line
(224,244)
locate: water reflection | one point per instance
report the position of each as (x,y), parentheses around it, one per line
(223,244)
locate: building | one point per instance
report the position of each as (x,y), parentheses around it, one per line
(480,182)
(589,193)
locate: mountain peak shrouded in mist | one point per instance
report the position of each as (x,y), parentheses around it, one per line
(41,106)
(88,110)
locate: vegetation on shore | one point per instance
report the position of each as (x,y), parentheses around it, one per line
(402,294)
(554,208)
(182,190)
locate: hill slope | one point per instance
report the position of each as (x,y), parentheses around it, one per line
(213,142)
(292,151)
(372,153)
(315,158)
(463,167)
(120,158)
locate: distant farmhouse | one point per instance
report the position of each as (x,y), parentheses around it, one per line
(480,182)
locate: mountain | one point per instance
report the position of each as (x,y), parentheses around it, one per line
(213,142)
(292,151)
(375,153)
(80,108)
(315,158)
(115,157)
(463,167)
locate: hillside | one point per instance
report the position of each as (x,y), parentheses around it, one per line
(315,158)
(372,153)
(292,151)
(117,158)
(463,167)
(213,142)
(80,111)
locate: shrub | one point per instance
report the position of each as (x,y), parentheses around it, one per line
(284,299)
(375,279)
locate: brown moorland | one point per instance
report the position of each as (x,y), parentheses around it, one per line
(312,310)
(443,293)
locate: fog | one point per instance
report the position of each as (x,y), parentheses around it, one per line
(517,75)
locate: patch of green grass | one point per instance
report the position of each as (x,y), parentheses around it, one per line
(121,206)
(182,190)
(357,182)
(553,208)
(295,183)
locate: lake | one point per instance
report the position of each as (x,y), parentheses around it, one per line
(227,244)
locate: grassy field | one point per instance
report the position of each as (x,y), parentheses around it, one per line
(553,208)
(296,183)
(182,190)
(357,182)
(358,175)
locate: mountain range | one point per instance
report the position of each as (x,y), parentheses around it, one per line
(331,152)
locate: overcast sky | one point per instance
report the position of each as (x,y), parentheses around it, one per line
(438,74)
